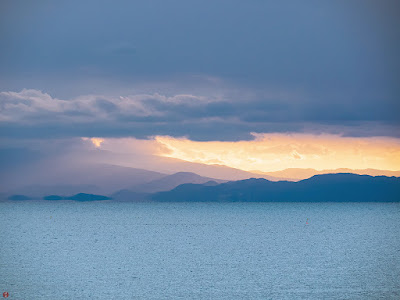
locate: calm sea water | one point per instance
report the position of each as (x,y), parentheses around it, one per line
(105,250)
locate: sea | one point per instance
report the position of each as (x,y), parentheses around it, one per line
(108,250)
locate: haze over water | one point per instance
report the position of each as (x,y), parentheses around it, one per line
(106,250)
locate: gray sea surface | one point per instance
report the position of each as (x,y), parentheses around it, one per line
(106,250)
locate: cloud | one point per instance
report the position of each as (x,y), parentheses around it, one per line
(33,113)
(28,105)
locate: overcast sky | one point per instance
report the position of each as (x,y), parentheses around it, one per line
(204,70)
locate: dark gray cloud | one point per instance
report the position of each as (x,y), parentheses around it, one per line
(317,44)
(335,64)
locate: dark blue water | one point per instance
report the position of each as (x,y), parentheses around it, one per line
(105,250)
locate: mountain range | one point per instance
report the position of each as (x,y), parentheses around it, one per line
(138,181)
(319,188)
(294,174)
(54,177)
(169,182)
(165,183)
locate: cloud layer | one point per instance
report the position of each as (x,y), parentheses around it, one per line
(214,70)
(32,113)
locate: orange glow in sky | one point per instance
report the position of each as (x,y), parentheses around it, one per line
(273,152)
(95,141)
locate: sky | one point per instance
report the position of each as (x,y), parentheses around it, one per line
(255,85)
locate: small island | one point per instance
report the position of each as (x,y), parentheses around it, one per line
(19,198)
(78,197)
(53,197)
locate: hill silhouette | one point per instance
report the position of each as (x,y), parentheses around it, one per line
(78,197)
(166,183)
(296,174)
(320,188)
(171,181)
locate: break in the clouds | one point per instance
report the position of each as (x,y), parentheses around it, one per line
(32,113)
(272,152)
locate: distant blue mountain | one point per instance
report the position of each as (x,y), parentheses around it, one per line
(78,197)
(320,188)
(142,192)
(19,198)
(169,182)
